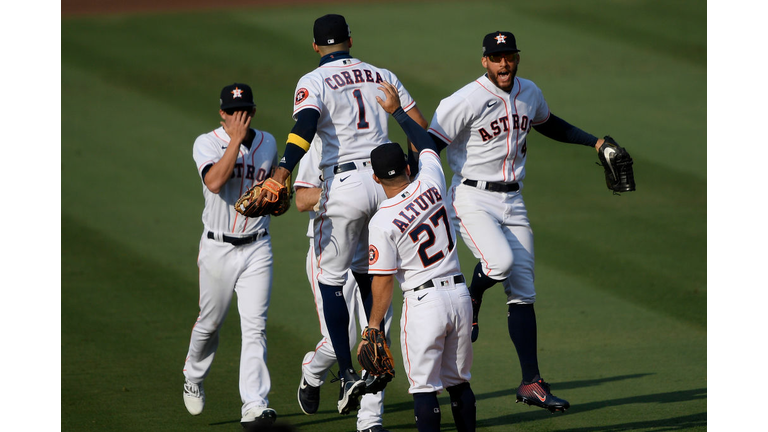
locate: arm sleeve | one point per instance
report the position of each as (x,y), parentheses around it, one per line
(418,136)
(559,130)
(300,138)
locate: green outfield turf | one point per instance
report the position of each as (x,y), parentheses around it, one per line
(621,280)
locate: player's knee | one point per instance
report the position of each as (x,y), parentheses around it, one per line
(500,265)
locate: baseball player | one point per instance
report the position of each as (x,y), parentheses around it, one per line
(485,125)
(317,363)
(235,254)
(337,101)
(411,238)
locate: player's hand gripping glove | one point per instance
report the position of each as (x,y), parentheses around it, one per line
(619,176)
(249,205)
(374,356)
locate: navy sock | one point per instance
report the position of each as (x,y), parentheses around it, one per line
(426,408)
(463,406)
(521,320)
(337,321)
(364,284)
(480,282)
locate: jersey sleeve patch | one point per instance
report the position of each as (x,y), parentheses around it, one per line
(301,95)
(373,255)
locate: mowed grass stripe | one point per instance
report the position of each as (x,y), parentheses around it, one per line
(622,321)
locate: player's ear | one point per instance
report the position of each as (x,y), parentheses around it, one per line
(376,179)
(484,62)
(315,47)
(221,113)
(349,43)
(408,171)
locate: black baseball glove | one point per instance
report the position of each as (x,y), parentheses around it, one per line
(375,357)
(619,176)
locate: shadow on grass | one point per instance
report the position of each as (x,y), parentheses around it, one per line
(674,423)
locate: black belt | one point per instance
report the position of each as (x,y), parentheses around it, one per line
(495,187)
(238,241)
(429,284)
(349,166)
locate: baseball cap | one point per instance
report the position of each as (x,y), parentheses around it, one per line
(236,95)
(499,42)
(388,160)
(331,29)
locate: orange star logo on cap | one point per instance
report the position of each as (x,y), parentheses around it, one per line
(500,39)
(237,93)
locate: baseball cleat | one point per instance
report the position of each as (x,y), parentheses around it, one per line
(194,397)
(375,383)
(537,393)
(352,388)
(257,417)
(475,311)
(309,397)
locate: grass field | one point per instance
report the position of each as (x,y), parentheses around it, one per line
(621,281)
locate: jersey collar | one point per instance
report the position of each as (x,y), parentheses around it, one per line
(338,55)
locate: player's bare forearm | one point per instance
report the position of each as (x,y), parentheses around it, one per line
(307,198)
(381,291)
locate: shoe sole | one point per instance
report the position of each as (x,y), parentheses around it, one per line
(533,402)
(353,398)
(298,397)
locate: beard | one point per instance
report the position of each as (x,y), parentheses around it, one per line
(504,78)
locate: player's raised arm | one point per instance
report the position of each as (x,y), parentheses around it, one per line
(415,132)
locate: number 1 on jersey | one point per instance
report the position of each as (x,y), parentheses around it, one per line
(361,123)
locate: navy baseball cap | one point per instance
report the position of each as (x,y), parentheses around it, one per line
(331,29)
(236,96)
(388,160)
(499,42)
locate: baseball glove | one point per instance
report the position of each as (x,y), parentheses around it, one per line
(619,176)
(248,205)
(375,356)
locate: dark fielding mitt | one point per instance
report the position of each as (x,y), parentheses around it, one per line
(247,205)
(376,358)
(619,176)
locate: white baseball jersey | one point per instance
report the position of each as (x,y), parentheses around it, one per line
(351,122)
(252,166)
(486,128)
(410,235)
(226,268)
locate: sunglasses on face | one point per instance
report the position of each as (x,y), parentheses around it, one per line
(496,58)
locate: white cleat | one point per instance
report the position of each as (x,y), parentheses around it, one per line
(194,397)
